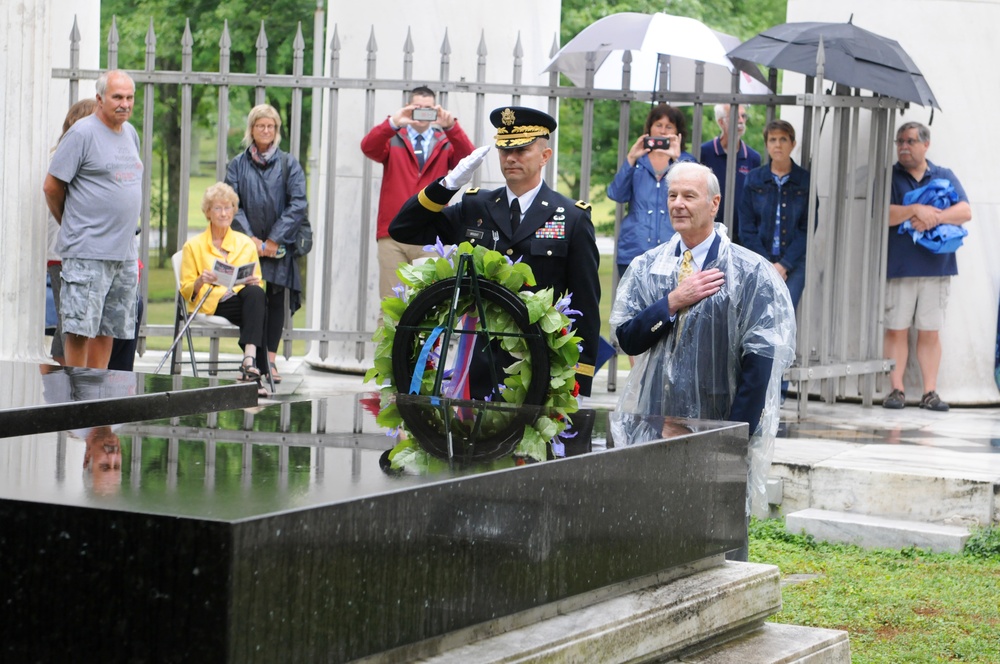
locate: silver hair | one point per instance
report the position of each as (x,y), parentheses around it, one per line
(923,133)
(102,81)
(721,110)
(693,169)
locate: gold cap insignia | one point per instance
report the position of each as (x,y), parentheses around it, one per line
(507,116)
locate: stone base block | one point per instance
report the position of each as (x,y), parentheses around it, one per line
(644,625)
(776,643)
(875,531)
(904,495)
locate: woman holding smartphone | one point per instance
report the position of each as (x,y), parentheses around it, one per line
(640,184)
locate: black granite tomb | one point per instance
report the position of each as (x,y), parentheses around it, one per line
(274,534)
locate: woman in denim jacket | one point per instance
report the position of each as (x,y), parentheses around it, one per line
(779,238)
(639,182)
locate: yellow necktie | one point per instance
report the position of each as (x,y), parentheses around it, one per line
(687,267)
(685,271)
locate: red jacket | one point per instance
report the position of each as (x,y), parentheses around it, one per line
(400,176)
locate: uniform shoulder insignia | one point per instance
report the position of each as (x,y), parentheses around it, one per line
(472,191)
(583,205)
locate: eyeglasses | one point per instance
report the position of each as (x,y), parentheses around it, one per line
(908,142)
(265,127)
(219,209)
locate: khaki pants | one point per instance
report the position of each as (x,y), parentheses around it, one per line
(390,255)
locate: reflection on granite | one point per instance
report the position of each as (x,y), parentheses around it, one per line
(274,535)
(36,398)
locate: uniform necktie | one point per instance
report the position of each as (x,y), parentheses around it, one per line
(687,267)
(418,149)
(515,215)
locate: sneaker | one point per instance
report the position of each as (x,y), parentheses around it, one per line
(896,400)
(931,401)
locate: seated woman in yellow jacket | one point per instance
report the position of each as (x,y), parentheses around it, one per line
(244,305)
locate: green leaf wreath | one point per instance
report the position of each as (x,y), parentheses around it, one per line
(553,319)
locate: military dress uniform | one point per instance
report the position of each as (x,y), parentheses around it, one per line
(555,237)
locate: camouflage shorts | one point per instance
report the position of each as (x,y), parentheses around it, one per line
(98,297)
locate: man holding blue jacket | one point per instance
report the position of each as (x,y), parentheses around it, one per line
(918,279)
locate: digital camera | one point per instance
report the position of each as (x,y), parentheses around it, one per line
(658,143)
(425,114)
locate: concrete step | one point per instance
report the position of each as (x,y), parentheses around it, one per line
(645,625)
(776,643)
(876,531)
(892,481)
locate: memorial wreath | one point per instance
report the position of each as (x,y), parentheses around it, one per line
(553,317)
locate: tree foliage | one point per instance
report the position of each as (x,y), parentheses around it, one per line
(207,17)
(742,18)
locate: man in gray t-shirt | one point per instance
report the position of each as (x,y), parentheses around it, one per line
(94,190)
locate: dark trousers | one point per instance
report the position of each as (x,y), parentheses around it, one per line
(248,311)
(123,350)
(275,315)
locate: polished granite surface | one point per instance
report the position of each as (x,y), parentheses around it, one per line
(277,533)
(37,398)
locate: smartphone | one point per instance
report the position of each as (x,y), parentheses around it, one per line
(425,114)
(658,143)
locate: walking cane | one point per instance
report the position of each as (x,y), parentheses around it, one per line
(187,324)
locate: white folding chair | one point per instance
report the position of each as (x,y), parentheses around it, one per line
(198,320)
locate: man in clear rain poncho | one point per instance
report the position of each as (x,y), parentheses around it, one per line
(712,325)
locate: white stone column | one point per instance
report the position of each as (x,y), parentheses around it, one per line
(33,34)
(24,29)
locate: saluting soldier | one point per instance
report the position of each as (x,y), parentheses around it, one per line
(524,220)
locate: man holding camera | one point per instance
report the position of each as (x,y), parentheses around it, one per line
(416,146)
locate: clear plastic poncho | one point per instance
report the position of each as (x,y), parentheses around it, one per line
(694,372)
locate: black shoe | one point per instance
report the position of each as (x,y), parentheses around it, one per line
(931,401)
(896,400)
(249,373)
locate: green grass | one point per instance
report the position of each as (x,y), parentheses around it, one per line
(898,606)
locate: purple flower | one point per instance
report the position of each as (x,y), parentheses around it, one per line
(558,447)
(562,306)
(400,291)
(500,388)
(442,250)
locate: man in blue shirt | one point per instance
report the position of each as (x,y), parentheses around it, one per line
(714,155)
(918,280)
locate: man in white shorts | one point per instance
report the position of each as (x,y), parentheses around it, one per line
(918,279)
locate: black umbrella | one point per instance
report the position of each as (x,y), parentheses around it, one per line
(853,56)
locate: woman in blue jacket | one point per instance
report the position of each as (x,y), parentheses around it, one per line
(774,211)
(640,183)
(272,190)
